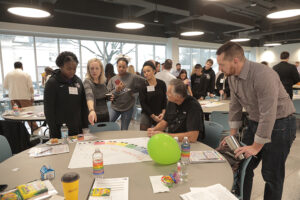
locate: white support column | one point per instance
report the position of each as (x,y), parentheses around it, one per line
(173,50)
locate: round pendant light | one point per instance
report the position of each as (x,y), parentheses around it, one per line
(130,25)
(29,12)
(192,33)
(272,44)
(284,14)
(240,40)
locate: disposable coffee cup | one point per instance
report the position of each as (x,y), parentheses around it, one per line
(233,145)
(108,96)
(70,182)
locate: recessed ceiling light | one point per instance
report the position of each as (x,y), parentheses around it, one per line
(272,44)
(29,12)
(284,14)
(130,25)
(192,33)
(240,40)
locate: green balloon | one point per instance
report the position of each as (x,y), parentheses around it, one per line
(163,149)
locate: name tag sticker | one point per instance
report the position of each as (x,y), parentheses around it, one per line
(73,90)
(150,88)
(222,80)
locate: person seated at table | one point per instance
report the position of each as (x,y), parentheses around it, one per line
(153,97)
(198,83)
(184,115)
(64,98)
(222,86)
(183,76)
(95,90)
(123,86)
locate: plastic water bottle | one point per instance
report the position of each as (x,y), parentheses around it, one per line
(6,106)
(64,133)
(176,138)
(98,168)
(16,110)
(184,172)
(185,151)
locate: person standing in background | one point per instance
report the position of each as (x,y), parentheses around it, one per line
(64,98)
(20,89)
(109,72)
(177,70)
(131,69)
(165,75)
(287,72)
(222,86)
(297,66)
(198,83)
(183,76)
(210,77)
(157,67)
(95,90)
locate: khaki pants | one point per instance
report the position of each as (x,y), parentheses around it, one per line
(23,104)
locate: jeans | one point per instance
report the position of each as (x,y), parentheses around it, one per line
(125,117)
(273,156)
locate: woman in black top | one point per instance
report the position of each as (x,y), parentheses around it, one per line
(64,98)
(152,97)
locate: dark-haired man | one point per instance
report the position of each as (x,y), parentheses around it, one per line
(184,115)
(176,72)
(20,89)
(287,72)
(272,126)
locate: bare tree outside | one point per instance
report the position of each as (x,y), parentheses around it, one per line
(110,50)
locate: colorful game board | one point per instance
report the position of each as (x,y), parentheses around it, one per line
(119,151)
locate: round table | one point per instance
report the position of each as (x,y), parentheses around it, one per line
(34,115)
(200,175)
(223,107)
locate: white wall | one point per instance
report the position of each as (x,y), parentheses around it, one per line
(272,54)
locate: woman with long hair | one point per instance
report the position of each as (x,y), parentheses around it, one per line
(95,89)
(183,76)
(109,72)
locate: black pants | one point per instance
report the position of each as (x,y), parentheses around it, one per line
(273,156)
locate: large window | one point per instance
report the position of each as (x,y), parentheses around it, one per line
(36,53)
(185,59)
(189,57)
(145,52)
(46,53)
(18,48)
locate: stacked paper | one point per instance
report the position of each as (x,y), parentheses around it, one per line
(213,192)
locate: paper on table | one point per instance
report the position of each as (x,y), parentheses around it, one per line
(57,197)
(213,104)
(46,150)
(118,187)
(157,185)
(213,192)
(117,151)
